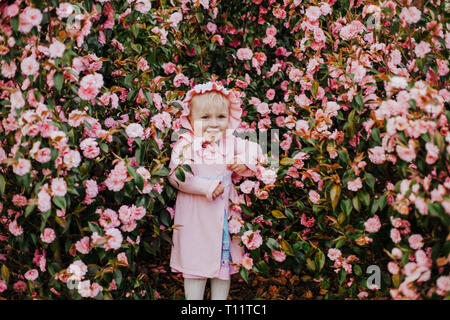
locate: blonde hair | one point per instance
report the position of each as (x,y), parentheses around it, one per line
(208,99)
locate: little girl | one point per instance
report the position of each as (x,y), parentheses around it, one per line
(202,245)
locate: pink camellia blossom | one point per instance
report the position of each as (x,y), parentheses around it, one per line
(64,10)
(295,75)
(313,13)
(279,256)
(11,11)
(90,148)
(422,49)
(443,283)
(143,64)
(410,15)
(252,239)
(122,257)
(247,186)
(393,268)
(372,225)
(91,188)
(246,262)
(17,100)
(15,229)
(432,153)
(212,27)
(405,153)
(351,30)
(377,155)
(44,199)
(57,49)
(22,167)
(397,253)
(244,54)
(84,288)
(30,17)
(395,235)
(314,197)
(263,108)
(113,239)
(72,159)
(82,245)
(8,70)
(134,130)
(354,185)
(270,94)
(31,274)
(334,254)
(3,286)
(180,79)
(19,200)
(267,176)
(109,219)
(169,67)
(234,225)
(143,6)
(175,18)
(59,187)
(415,241)
(20,286)
(48,236)
(29,66)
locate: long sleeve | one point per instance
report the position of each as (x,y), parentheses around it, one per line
(250,153)
(191,184)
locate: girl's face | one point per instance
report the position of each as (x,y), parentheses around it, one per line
(210,122)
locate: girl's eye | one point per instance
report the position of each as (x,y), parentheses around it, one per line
(222,116)
(205,117)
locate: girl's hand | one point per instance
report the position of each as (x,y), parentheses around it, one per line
(218,191)
(237,166)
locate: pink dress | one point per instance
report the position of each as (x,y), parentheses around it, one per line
(199,221)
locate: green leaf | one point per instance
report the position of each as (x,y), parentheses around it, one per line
(60,202)
(179,173)
(2,185)
(58,80)
(346,206)
(137,177)
(161,172)
(261,266)
(341,276)
(244,274)
(357,269)
(319,260)
(148,96)
(370,181)
(364,197)
(273,244)
(356,203)
(29,209)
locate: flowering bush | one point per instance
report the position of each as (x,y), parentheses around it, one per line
(90,96)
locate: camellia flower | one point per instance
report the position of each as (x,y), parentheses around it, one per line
(334,254)
(244,54)
(252,239)
(48,236)
(247,262)
(134,130)
(373,224)
(314,197)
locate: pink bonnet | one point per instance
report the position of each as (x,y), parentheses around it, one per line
(235,104)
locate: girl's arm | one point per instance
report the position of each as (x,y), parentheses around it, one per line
(191,183)
(250,153)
